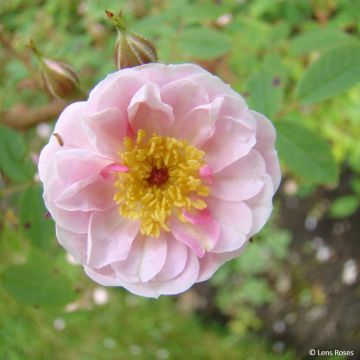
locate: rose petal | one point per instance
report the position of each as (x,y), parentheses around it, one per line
(201,231)
(75,244)
(110,238)
(106,131)
(148,112)
(261,206)
(74,221)
(235,221)
(231,141)
(145,260)
(176,258)
(211,262)
(241,180)
(265,141)
(69,128)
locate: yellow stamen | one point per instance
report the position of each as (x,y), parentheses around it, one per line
(163,179)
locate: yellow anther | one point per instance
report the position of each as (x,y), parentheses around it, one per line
(163,179)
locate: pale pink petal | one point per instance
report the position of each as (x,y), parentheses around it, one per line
(214,86)
(235,221)
(211,262)
(110,237)
(236,108)
(182,105)
(265,142)
(70,130)
(199,124)
(230,141)
(261,206)
(115,91)
(162,75)
(176,258)
(75,244)
(241,180)
(73,181)
(153,288)
(145,260)
(105,276)
(201,231)
(91,194)
(106,131)
(147,111)
(75,221)
(71,166)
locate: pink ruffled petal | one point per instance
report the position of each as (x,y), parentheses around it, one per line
(147,111)
(199,124)
(91,194)
(235,221)
(201,231)
(74,221)
(265,142)
(241,180)
(106,131)
(115,91)
(145,260)
(211,262)
(108,277)
(261,206)
(154,288)
(231,141)
(182,105)
(105,276)
(73,181)
(69,128)
(214,85)
(110,238)
(176,258)
(75,244)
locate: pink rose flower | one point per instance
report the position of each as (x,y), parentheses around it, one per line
(161,176)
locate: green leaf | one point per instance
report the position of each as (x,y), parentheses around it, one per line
(39,229)
(204,43)
(37,283)
(12,156)
(266,92)
(344,206)
(330,75)
(306,154)
(319,40)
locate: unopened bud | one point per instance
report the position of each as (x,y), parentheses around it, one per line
(59,79)
(130,49)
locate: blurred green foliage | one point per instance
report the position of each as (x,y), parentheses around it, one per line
(295,61)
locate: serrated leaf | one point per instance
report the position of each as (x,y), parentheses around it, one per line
(37,283)
(333,73)
(319,40)
(38,228)
(266,92)
(306,154)
(204,43)
(12,155)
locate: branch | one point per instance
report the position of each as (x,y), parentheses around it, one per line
(21,117)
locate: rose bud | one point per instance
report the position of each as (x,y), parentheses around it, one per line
(130,49)
(59,79)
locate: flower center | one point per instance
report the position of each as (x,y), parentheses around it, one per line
(163,179)
(158,176)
